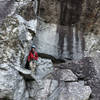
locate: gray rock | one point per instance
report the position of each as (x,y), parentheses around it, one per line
(23,70)
(58,24)
(48,32)
(65,75)
(83,68)
(51,90)
(94,82)
(5,8)
(12,85)
(75,91)
(23,11)
(15,41)
(44,67)
(47,45)
(48,87)
(86,69)
(61,41)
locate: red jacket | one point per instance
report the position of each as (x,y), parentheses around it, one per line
(32,56)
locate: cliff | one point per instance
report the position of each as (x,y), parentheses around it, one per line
(66,35)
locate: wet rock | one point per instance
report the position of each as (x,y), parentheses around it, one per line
(68,21)
(44,45)
(59,24)
(59,47)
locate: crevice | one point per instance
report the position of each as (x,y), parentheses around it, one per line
(54,60)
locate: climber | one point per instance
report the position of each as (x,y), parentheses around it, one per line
(32,58)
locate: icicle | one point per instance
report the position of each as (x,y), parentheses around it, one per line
(80,46)
(35,6)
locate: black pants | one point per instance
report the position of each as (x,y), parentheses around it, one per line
(27,65)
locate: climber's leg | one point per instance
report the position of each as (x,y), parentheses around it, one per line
(32,66)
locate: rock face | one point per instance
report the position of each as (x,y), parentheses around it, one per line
(45,68)
(86,69)
(47,85)
(14,38)
(27,11)
(5,8)
(12,84)
(60,29)
(66,23)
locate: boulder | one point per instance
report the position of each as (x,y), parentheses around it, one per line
(44,67)
(52,90)
(86,69)
(65,75)
(75,91)
(83,68)
(12,84)
(48,87)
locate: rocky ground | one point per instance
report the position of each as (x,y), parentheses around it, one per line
(66,34)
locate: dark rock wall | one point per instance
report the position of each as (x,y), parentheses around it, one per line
(49,10)
(90,16)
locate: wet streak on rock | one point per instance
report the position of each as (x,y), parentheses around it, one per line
(61,40)
(38,9)
(76,36)
(69,17)
(70,42)
(83,42)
